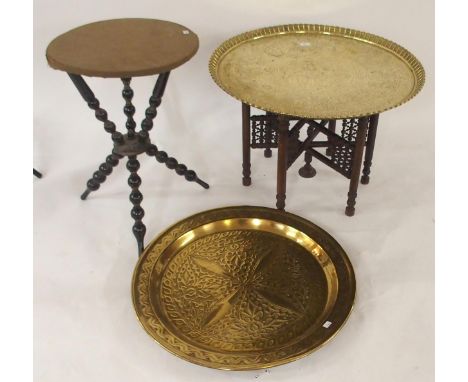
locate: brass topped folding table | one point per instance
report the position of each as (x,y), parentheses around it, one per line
(311,76)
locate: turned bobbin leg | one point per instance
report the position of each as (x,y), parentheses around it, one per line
(373,122)
(356,166)
(147,124)
(283,127)
(246,181)
(173,164)
(307,171)
(100,176)
(332,128)
(136,197)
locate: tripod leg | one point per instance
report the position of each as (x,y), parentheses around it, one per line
(37,173)
(101,174)
(282,166)
(136,197)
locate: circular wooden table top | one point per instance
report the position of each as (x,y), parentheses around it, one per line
(122,48)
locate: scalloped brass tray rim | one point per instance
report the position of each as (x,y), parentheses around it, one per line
(403,54)
(343,267)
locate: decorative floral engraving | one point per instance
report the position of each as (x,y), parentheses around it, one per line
(243,292)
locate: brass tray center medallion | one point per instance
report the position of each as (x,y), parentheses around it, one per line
(243,291)
(243,288)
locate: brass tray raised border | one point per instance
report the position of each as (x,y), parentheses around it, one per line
(398,50)
(144,268)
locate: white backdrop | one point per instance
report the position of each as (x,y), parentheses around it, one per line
(85,327)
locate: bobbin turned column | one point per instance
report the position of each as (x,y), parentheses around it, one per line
(307,171)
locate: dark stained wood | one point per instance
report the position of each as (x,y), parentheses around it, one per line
(131,145)
(136,197)
(371,135)
(93,103)
(173,164)
(307,171)
(344,153)
(100,176)
(129,109)
(155,100)
(267,152)
(36,173)
(246,181)
(332,128)
(283,127)
(356,166)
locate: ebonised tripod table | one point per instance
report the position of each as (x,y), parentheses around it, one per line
(311,76)
(126,48)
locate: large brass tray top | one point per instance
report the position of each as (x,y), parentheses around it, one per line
(316,71)
(243,288)
(328,82)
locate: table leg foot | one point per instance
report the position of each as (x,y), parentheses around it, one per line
(246,181)
(307,171)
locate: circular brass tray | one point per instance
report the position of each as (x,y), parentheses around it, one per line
(316,71)
(243,288)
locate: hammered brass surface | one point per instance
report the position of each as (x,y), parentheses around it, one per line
(243,288)
(316,71)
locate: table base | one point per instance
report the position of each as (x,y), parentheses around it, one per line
(344,152)
(131,145)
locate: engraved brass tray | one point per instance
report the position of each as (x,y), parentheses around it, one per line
(316,71)
(243,288)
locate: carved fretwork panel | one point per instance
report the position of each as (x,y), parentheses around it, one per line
(349,129)
(342,153)
(264,133)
